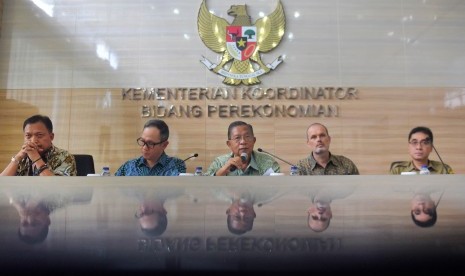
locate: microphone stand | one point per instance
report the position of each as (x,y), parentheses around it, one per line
(445,168)
(260,150)
(192,156)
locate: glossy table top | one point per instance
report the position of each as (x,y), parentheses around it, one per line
(107,223)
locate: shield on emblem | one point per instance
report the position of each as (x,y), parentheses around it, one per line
(241,41)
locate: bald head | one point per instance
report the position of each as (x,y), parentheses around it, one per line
(319,125)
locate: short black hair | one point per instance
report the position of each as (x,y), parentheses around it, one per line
(236,231)
(421,129)
(428,223)
(161,125)
(39,118)
(34,239)
(160,229)
(236,124)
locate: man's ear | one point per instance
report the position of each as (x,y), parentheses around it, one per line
(165,144)
(308,209)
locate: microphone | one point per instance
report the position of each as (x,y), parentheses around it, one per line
(192,156)
(260,150)
(444,165)
(243,158)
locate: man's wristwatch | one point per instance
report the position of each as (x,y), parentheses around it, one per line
(13,159)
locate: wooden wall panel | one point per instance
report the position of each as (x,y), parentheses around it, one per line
(372,131)
(1,16)
(17,105)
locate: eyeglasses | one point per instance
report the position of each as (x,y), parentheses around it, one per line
(415,143)
(247,218)
(246,138)
(150,145)
(139,214)
(418,211)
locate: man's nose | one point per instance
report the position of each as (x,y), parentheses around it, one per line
(242,210)
(27,220)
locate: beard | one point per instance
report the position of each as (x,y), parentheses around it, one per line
(320,150)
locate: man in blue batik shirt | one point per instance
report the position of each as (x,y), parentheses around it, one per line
(154,161)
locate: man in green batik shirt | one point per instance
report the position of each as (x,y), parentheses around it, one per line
(321,161)
(420,145)
(241,141)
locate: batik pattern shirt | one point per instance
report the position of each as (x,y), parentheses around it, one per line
(337,165)
(60,162)
(259,164)
(166,166)
(435,167)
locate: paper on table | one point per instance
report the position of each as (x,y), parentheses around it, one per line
(269,172)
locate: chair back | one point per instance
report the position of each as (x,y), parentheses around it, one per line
(84,164)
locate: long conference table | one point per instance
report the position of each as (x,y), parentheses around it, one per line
(89,224)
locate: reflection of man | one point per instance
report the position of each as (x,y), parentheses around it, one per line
(240,214)
(34,220)
(241,139)
(319,212)
(151,213)
(321,161)
(35,207)
(420,145)
(152,216)
(38,156)
(423,208)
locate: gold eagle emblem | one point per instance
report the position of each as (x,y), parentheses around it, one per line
(241,42)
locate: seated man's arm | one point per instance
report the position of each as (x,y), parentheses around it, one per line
(448,169)
(276,167)
(176,167)
(216,168)
(121,171)
(396,168)
(12,167)
(353,170)
(67,167)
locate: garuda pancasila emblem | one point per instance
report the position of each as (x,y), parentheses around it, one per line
(241,42)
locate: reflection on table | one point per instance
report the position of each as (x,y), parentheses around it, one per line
(341,223)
